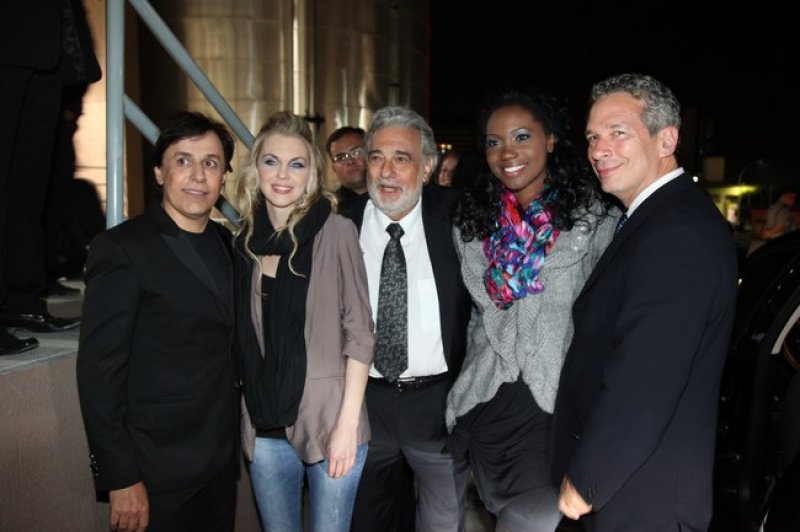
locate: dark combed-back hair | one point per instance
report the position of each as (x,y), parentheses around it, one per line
(341,132)
(568,172)
(187,125)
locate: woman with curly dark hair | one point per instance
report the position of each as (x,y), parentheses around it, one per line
(528,235)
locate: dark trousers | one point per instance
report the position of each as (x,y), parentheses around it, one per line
(408,427)
(208,508)
(29,108)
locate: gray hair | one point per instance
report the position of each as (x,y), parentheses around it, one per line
(661,107)
(403,117)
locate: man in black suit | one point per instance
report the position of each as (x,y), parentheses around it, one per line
(44,46)
(635,415)
(156,375)
(406,408)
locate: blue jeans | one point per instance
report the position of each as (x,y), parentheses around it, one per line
(277,477)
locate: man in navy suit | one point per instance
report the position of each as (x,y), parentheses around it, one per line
(406,411)
(635,416)
(156,374)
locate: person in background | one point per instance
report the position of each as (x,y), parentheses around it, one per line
(64,238)
(345,147)
(471,165)
(69,204)
(444,173)
(304,333)
(156,372)
(527,235)
(421,308)
(779,215)
(635,415)
(45,46)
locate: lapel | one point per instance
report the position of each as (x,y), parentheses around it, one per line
(638,219)
(438,234)
(184,251)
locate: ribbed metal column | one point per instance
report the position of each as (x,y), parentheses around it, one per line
(335,62)
(115,121)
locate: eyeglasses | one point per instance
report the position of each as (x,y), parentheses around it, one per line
(340,158)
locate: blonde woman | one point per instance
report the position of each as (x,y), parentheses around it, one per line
(304,333)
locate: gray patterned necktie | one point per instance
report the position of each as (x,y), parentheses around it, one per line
(391,330)
(620,223)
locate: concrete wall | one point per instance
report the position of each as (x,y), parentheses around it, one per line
(45,480)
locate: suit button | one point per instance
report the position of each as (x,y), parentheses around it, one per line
(576,436)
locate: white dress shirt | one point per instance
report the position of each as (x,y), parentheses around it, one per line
(425,350)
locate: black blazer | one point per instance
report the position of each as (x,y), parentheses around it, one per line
(454,300)
(32,36)
(634,421)
(30,33)
(156,375)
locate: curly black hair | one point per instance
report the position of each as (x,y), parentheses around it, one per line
(568,172)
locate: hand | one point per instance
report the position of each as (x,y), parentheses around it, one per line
(570,501)
(341,451)
(130,510)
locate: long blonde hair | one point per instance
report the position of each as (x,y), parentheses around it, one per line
(247,190)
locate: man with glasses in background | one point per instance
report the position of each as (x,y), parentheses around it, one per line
(345,147)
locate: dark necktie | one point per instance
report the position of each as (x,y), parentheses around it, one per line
(391,330)
(620,223)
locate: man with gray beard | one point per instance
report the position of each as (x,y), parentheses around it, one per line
(421,309)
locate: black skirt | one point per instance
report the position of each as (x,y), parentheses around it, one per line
(505,442)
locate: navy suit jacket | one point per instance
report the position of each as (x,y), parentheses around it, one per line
(156,374)
(635,416)
(454,300)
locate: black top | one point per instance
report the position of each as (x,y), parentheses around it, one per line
(213,254)
(346,198)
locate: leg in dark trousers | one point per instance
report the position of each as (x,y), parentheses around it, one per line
(210,508)
(29,110)
(384,491)
(408,427)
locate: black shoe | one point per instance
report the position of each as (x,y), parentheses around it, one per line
(57,288)
(11,345)
(38,322)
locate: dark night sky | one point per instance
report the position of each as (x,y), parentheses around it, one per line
(732,69)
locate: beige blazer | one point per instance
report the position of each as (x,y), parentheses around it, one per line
(338,325)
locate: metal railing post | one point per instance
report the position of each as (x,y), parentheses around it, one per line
(115,86)
(175,49)
(119,105)
(142,122)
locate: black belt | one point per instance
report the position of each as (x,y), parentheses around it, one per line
(404,384)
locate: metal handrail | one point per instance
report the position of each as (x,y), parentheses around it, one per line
(120,106)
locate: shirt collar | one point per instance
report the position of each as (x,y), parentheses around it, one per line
(410,223)
(651,188)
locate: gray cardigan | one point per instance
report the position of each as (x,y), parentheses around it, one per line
(532,336)
(338,325)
